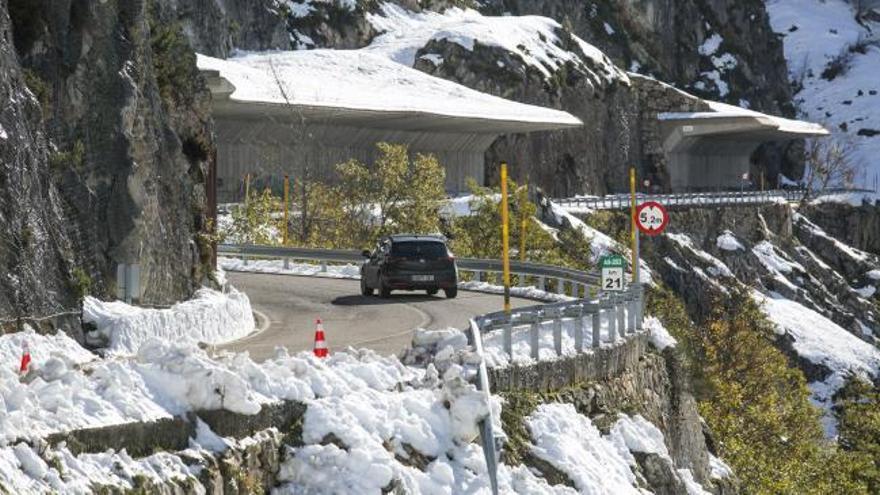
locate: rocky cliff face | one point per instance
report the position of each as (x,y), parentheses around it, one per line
(121,140)
(35,254)
(719,49)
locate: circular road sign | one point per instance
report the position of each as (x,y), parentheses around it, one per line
(651,217)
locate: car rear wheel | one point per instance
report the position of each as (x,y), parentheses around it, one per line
(431,292)
(367,291)
(451,293)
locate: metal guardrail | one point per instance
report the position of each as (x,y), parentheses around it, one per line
(724,198)
(576,281)
(622,311)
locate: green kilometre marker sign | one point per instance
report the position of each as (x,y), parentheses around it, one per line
(613,267)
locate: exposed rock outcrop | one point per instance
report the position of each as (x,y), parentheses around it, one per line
(717,49)
(127,143)
(35,256)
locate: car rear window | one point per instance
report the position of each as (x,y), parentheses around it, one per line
(422,249)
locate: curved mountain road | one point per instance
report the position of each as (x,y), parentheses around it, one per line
(291,304)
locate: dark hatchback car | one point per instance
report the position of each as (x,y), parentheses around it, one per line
(409,262)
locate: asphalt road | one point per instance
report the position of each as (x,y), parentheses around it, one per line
(291,304)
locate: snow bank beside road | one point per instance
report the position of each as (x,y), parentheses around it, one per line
(166,379)
(277,266)
(211,317)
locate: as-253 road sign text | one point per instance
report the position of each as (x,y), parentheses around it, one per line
(612,268)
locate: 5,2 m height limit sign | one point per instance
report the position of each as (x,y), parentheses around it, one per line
(651,218)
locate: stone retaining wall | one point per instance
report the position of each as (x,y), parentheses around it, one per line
(600,364)
(173,434)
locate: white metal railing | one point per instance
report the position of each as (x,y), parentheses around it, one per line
(720,198)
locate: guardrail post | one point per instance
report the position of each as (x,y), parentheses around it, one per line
(520,280)
(477,276)
(579,325)
(323,266)
(535,338)
(621,315)
(640,306)
(541,283)
(499,279)
(612,319)
(633,301)
(287,263)
(560,286)
(597,327)
(507,331)
(557,334)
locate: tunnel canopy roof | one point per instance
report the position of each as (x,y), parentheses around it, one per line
(729,123)
(352,87)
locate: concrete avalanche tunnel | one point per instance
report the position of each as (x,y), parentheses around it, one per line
(708,151)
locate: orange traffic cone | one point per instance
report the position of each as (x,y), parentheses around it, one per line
(320,344)
(25,359)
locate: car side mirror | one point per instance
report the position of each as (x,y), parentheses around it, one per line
(365,253)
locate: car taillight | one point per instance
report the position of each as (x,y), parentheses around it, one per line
(450,259)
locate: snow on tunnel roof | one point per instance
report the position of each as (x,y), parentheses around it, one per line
(353,81)
(724,111)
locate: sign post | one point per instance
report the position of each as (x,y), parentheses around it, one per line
(634,232)
(505,244)
(613,267)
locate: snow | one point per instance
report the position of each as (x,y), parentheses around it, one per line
(815,32)
(532,38)
(710,45)
(854,254)
(594,464)
(528,292)
(170,378)
(277,266)
(822,342)
(717,268)
(849,198)
(723,111)
(304,8)
(636,434)
(866,291)
(718,468)
(360,80)
(3,134)
(728,242)
(210,316)
(660,337)
(608,29)
(774,262)
(873,274)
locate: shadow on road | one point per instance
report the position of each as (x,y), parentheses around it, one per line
(359,300)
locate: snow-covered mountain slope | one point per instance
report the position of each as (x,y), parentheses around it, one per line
(834,62)
(818,292)
(533,38)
